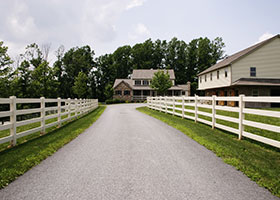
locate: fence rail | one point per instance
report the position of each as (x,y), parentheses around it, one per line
(65,109)
(181,106)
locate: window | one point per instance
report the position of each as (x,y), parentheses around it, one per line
(126,92)
(118,92)
(225,72)
(145,82)
(255,93)
(253,72)
(205,77)
(210,76)
(200,78)
(138,82)
(218,74)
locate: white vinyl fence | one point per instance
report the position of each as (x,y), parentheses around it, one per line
(64,110)
(182,106)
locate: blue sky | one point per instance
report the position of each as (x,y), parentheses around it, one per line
(107,24)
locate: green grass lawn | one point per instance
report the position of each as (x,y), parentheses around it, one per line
(256,118)
(17,160)
(259,162)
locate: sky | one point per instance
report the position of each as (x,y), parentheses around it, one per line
(105,25)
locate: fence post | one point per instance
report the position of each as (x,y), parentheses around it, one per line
(241,116)
(183,107)
(160,104)
(213,111)
(59,111)
(165,103)
(76,107)
(43,114)
(69,107)
(13,120)
(173,98)
(195,107)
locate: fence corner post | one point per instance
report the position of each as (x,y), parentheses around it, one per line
(43,115)
(241,116)
(195,107)
(213,111)
(183,107)
(59,111)
(13,120)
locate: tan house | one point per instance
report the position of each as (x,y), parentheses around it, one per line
(254,71)
(137,88)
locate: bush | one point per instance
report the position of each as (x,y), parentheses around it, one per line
(113,101)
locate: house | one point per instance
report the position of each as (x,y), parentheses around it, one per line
(137,88)
(254,71)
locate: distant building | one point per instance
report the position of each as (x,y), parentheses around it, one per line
(254,71)
(138,87)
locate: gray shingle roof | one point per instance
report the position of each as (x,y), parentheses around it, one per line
(257,81)
(149,73)
(128,81)
(230,59)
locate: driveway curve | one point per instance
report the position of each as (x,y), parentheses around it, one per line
(126,154)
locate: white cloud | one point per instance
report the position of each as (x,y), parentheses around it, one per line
(265,36)
(135,3)
(139,32)
(67,22)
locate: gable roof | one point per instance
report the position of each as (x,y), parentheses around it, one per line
(149,73)
(129,82)
(230,59)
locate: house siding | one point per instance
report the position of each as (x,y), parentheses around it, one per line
(215,83)
(122,87)
(266,60)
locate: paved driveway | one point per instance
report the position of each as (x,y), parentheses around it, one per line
(129,155)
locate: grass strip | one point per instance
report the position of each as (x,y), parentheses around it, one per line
(16,161)
(261,163)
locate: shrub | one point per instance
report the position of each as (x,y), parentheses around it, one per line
(114,101)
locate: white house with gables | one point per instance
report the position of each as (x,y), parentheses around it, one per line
(254,71)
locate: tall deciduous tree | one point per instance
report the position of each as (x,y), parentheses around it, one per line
(161,82)
(5,69)
(80,87)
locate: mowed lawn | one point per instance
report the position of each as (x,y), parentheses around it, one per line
(256,118)
(259,162)
(31,151)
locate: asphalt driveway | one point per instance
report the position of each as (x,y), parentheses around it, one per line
(129,155)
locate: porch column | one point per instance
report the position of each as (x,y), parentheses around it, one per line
(172,92)
(141,94)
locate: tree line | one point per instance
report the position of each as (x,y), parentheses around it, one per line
(77,73)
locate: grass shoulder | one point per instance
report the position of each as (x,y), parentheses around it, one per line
(16,161)
(259,162)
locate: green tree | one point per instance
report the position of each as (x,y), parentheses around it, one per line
(176,59)
(161,82)
(109,91)
(80,87)
(43,83)
(74,61)
(5,69)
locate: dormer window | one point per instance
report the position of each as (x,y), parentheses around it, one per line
(226,72)
(210,76)
(218,74)
(137,82)
(200,78)
(205,77)
(253,72)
